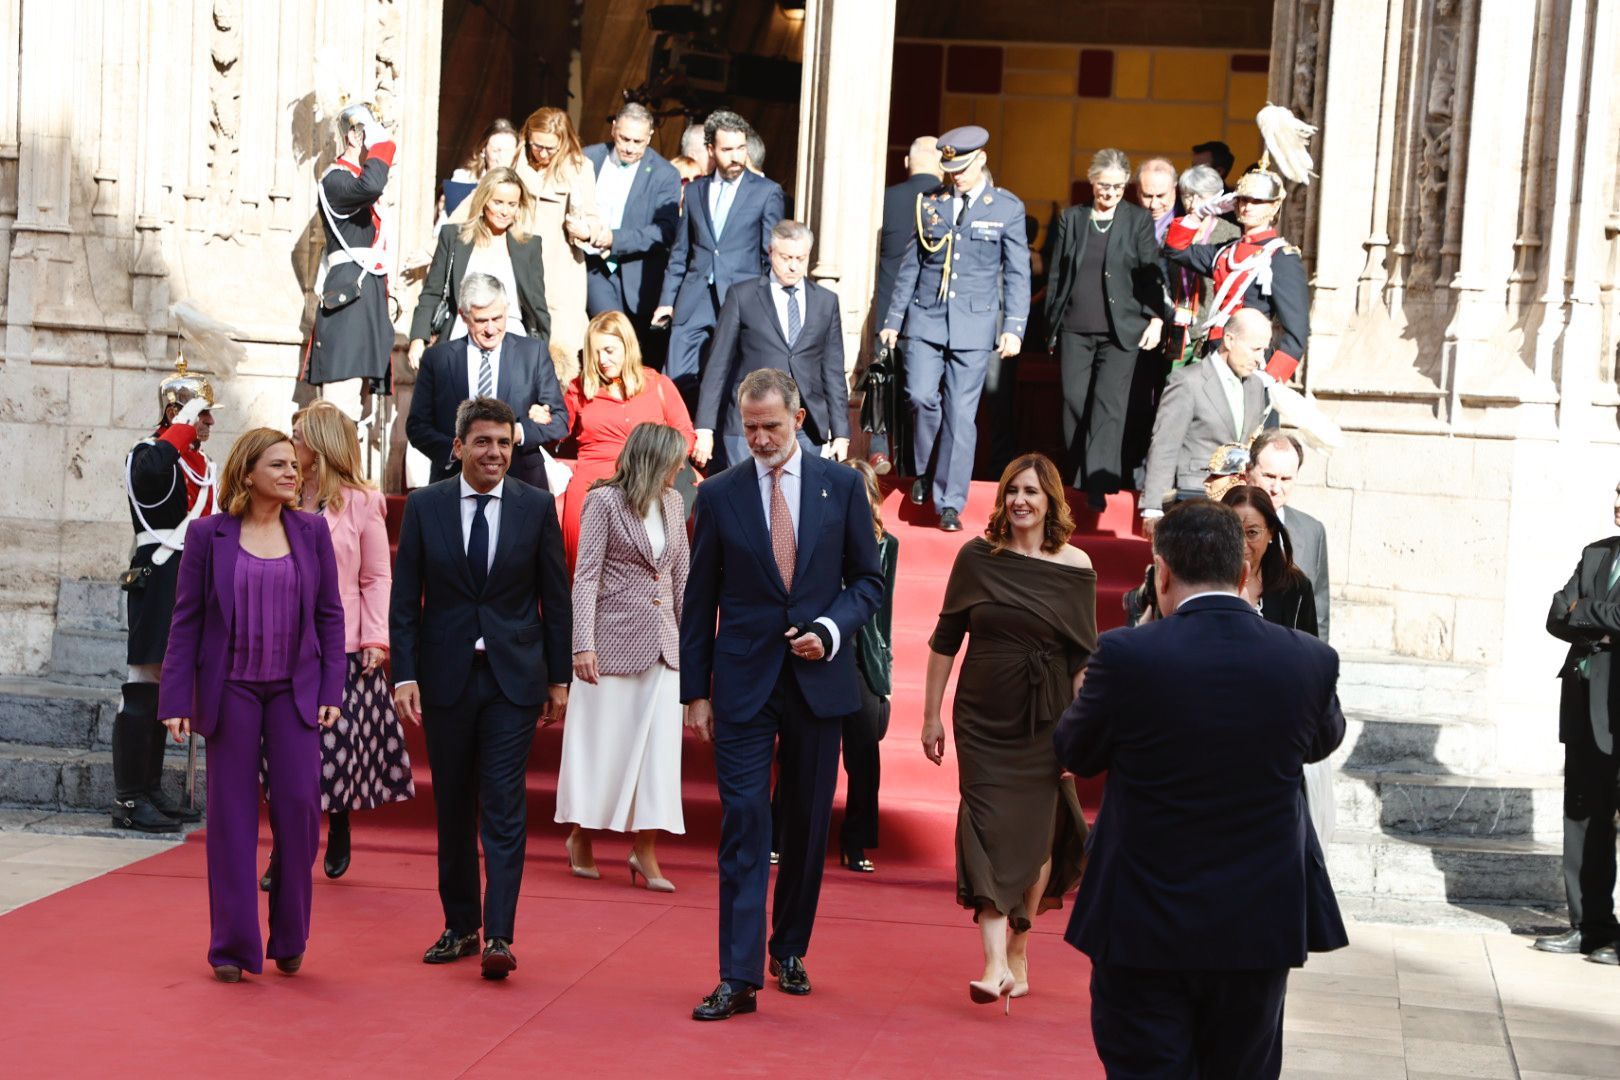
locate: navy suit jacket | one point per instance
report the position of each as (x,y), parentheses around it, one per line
(435,617)
(740,253)
(527,377)
(1202,857)
(737,609)
(748,336)
(198,659)
(641,243)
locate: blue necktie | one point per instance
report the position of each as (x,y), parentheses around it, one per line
(722,206)
(486,375)
(794,322)
(478,545)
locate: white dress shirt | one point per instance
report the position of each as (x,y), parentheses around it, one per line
(779,298)
(792,471)
(613,182)
(957,206)
(1233,387)
(473,362)
(492,517)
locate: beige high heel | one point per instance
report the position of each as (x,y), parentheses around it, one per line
(589,872)
(654,884)
(983,993)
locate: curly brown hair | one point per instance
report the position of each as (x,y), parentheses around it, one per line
(1059,522)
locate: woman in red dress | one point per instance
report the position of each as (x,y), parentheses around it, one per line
(612,395)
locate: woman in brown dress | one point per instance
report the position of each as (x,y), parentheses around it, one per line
(1026,599)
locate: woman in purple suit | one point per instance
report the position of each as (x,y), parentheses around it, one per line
(256,654)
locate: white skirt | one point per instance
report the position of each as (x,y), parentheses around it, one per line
(621,753)
(1319,801)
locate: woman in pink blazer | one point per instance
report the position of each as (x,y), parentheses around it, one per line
(363,758)
(621,755)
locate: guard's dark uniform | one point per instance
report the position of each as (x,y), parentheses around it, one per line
(357,340)
(165,477)
(1259,270)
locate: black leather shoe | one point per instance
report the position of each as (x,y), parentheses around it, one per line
(269,878)
(336,863)
(171,809)
(498,959)
(139,814)
(950,521)
(725,1003)
(790,975)
(1569,942)
(1606,955)
(289,965)
(919,491)
(451,947)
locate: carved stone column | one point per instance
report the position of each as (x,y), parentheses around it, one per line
(843,137)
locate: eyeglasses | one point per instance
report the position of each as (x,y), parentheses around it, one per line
(542,148)
(1108,187)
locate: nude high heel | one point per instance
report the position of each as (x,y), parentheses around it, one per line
(589,872)
(983,993)
(654,884)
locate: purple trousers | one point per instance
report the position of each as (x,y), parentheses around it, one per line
(251,713)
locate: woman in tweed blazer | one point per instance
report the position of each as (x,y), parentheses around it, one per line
(621,756)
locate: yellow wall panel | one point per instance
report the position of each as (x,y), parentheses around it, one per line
(1041,58)
(1146,126)
(1189,75)
(1043,83)
(1034,154)
(1246,95)
(1131,70)
(1244,139)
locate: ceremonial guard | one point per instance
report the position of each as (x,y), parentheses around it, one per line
(353,336)
(961,298)
(169,482)
(1259,269)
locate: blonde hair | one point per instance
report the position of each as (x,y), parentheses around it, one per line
(632,374)
(234,493)
(650,453)
(475,230)
(332,437)
(874,494)
(569,153)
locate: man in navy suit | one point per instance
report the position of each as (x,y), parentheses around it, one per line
(481,625)
(1205,882)
(781,321)
(638,199)
(486,363)
(724,238)
(784,571)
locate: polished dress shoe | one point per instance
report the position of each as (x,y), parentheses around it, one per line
(950,521)
(790,976)
(725,1003)
(227,973)
(1607,955)
(171,809)
(1568,942)
(140,815)
(451,947)
(498,960)
(289,965)
(919,491)
(336,863)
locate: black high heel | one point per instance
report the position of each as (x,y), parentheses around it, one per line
(269,878)
(336,863)
(856,860)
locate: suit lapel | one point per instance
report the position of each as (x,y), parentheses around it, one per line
(503,381)
(1216,393)
(1254,408)
(769,302)
(227,542)
(448,515)
(745,503)
(638,182)
(813,498)
(638,529)
(514,508)
(700,206)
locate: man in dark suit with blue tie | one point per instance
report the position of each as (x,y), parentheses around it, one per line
(480,554)
(1205,882)
(724,238)
(1585,613)
(784,571)
(488,362)
(782,321)
(638,199)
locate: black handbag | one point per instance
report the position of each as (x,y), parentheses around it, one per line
(134,579)
(441,311)
(344,283)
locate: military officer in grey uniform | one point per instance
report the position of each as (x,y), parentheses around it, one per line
(962,294)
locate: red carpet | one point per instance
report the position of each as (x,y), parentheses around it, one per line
(110,977)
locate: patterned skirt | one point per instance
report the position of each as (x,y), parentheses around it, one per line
(364,762)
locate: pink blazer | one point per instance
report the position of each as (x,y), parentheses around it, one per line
(627,605)
(365,575)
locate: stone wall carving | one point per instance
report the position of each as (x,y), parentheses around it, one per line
(224,116)
(1436,126)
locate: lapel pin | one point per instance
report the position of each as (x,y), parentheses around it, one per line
(823,493)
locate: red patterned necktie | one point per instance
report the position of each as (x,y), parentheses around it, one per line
(783,544)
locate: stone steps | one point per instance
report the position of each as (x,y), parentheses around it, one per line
(1455,869)
(75,779)
(89,657)
(1395,687)
(49,713)
(1449,805)
(1406,743)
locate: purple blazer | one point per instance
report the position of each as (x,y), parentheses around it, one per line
(199,656)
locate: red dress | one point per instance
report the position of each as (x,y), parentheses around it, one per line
(600,428)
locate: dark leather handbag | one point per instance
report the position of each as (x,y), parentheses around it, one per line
(344,284)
